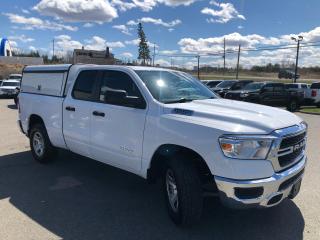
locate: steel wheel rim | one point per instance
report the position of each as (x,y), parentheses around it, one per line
(172,190)
(38,144)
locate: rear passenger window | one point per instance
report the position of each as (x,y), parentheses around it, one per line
(278,88)
(85,85)
(315,86)
(268,88)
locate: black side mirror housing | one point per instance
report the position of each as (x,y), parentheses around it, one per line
(120,97)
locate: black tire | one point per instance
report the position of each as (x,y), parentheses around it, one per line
(293,106)
(188,186)
(38,131)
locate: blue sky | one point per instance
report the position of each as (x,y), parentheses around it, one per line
(175,26)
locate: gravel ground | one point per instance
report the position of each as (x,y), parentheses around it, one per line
(78,198)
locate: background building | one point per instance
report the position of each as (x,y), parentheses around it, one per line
(94,57)
(5,48)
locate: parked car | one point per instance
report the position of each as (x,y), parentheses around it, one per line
(287,74)
(8,88)
(302,87)
(213,83)
(164,124)
(313,94)
(15,76)
(269,93)
(229,85)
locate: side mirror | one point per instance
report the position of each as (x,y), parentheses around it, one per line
(120,97)
(115,96)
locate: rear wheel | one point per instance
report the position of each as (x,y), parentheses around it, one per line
(41,147)
(183,193)
(292,106)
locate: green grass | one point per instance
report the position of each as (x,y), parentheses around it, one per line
(310,110)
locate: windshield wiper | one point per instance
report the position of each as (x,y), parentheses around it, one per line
(181,100)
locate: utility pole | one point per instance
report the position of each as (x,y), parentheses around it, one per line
(298,40)
(224,56)
(154,54)
(198,66)
(237,75)
(52,49)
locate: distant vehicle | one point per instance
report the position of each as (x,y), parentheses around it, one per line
(268,93)
(302,87)
(230,85)
(313,95)
(8,88)
(213,83)
(15,76)
(287,74)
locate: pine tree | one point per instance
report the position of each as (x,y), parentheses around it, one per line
(144,51)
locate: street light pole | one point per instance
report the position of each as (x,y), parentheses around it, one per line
(298,40)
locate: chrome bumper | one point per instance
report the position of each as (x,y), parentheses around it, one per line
(274,189)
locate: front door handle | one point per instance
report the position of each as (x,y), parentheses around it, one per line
(69,108)
(99,114)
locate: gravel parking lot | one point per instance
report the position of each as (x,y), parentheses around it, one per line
(78,198)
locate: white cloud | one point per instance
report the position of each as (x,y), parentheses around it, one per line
(309,56)
(135,42)
(65,43)
(168,52)
(88,25)
(31,23)
(78,10)
(225,13)
(126,55)
(148,5)
(123,6)
(32,48)
(25,11)
(22,38)
(123,28)
(155,21)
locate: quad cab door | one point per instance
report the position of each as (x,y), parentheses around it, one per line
(77,112)
(117,123)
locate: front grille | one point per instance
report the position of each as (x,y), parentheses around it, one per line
(286,160)
(290,141)
(290,149)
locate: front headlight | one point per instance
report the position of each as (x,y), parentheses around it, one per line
(245,147)
(244,94)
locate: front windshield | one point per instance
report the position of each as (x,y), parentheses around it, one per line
(10,84)
(170,87)
(226,84)
(253,86)
(14,77)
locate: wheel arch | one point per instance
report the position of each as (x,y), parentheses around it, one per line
(34,119)
(167,151)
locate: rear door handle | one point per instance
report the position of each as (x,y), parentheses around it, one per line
(99,114)
(69,108)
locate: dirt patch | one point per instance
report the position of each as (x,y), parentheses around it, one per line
(6,69)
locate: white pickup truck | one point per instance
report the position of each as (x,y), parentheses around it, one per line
(164,124)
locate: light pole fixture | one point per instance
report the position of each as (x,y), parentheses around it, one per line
(298,40)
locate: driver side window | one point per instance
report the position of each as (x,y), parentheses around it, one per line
(117,81)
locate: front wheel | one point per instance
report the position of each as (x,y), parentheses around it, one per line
(41,147)
(183,193)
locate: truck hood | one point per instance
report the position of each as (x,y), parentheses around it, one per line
(233,116)
(8,87)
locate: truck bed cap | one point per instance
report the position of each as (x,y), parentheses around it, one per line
(49,68)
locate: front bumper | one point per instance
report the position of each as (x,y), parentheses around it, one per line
(265,192)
